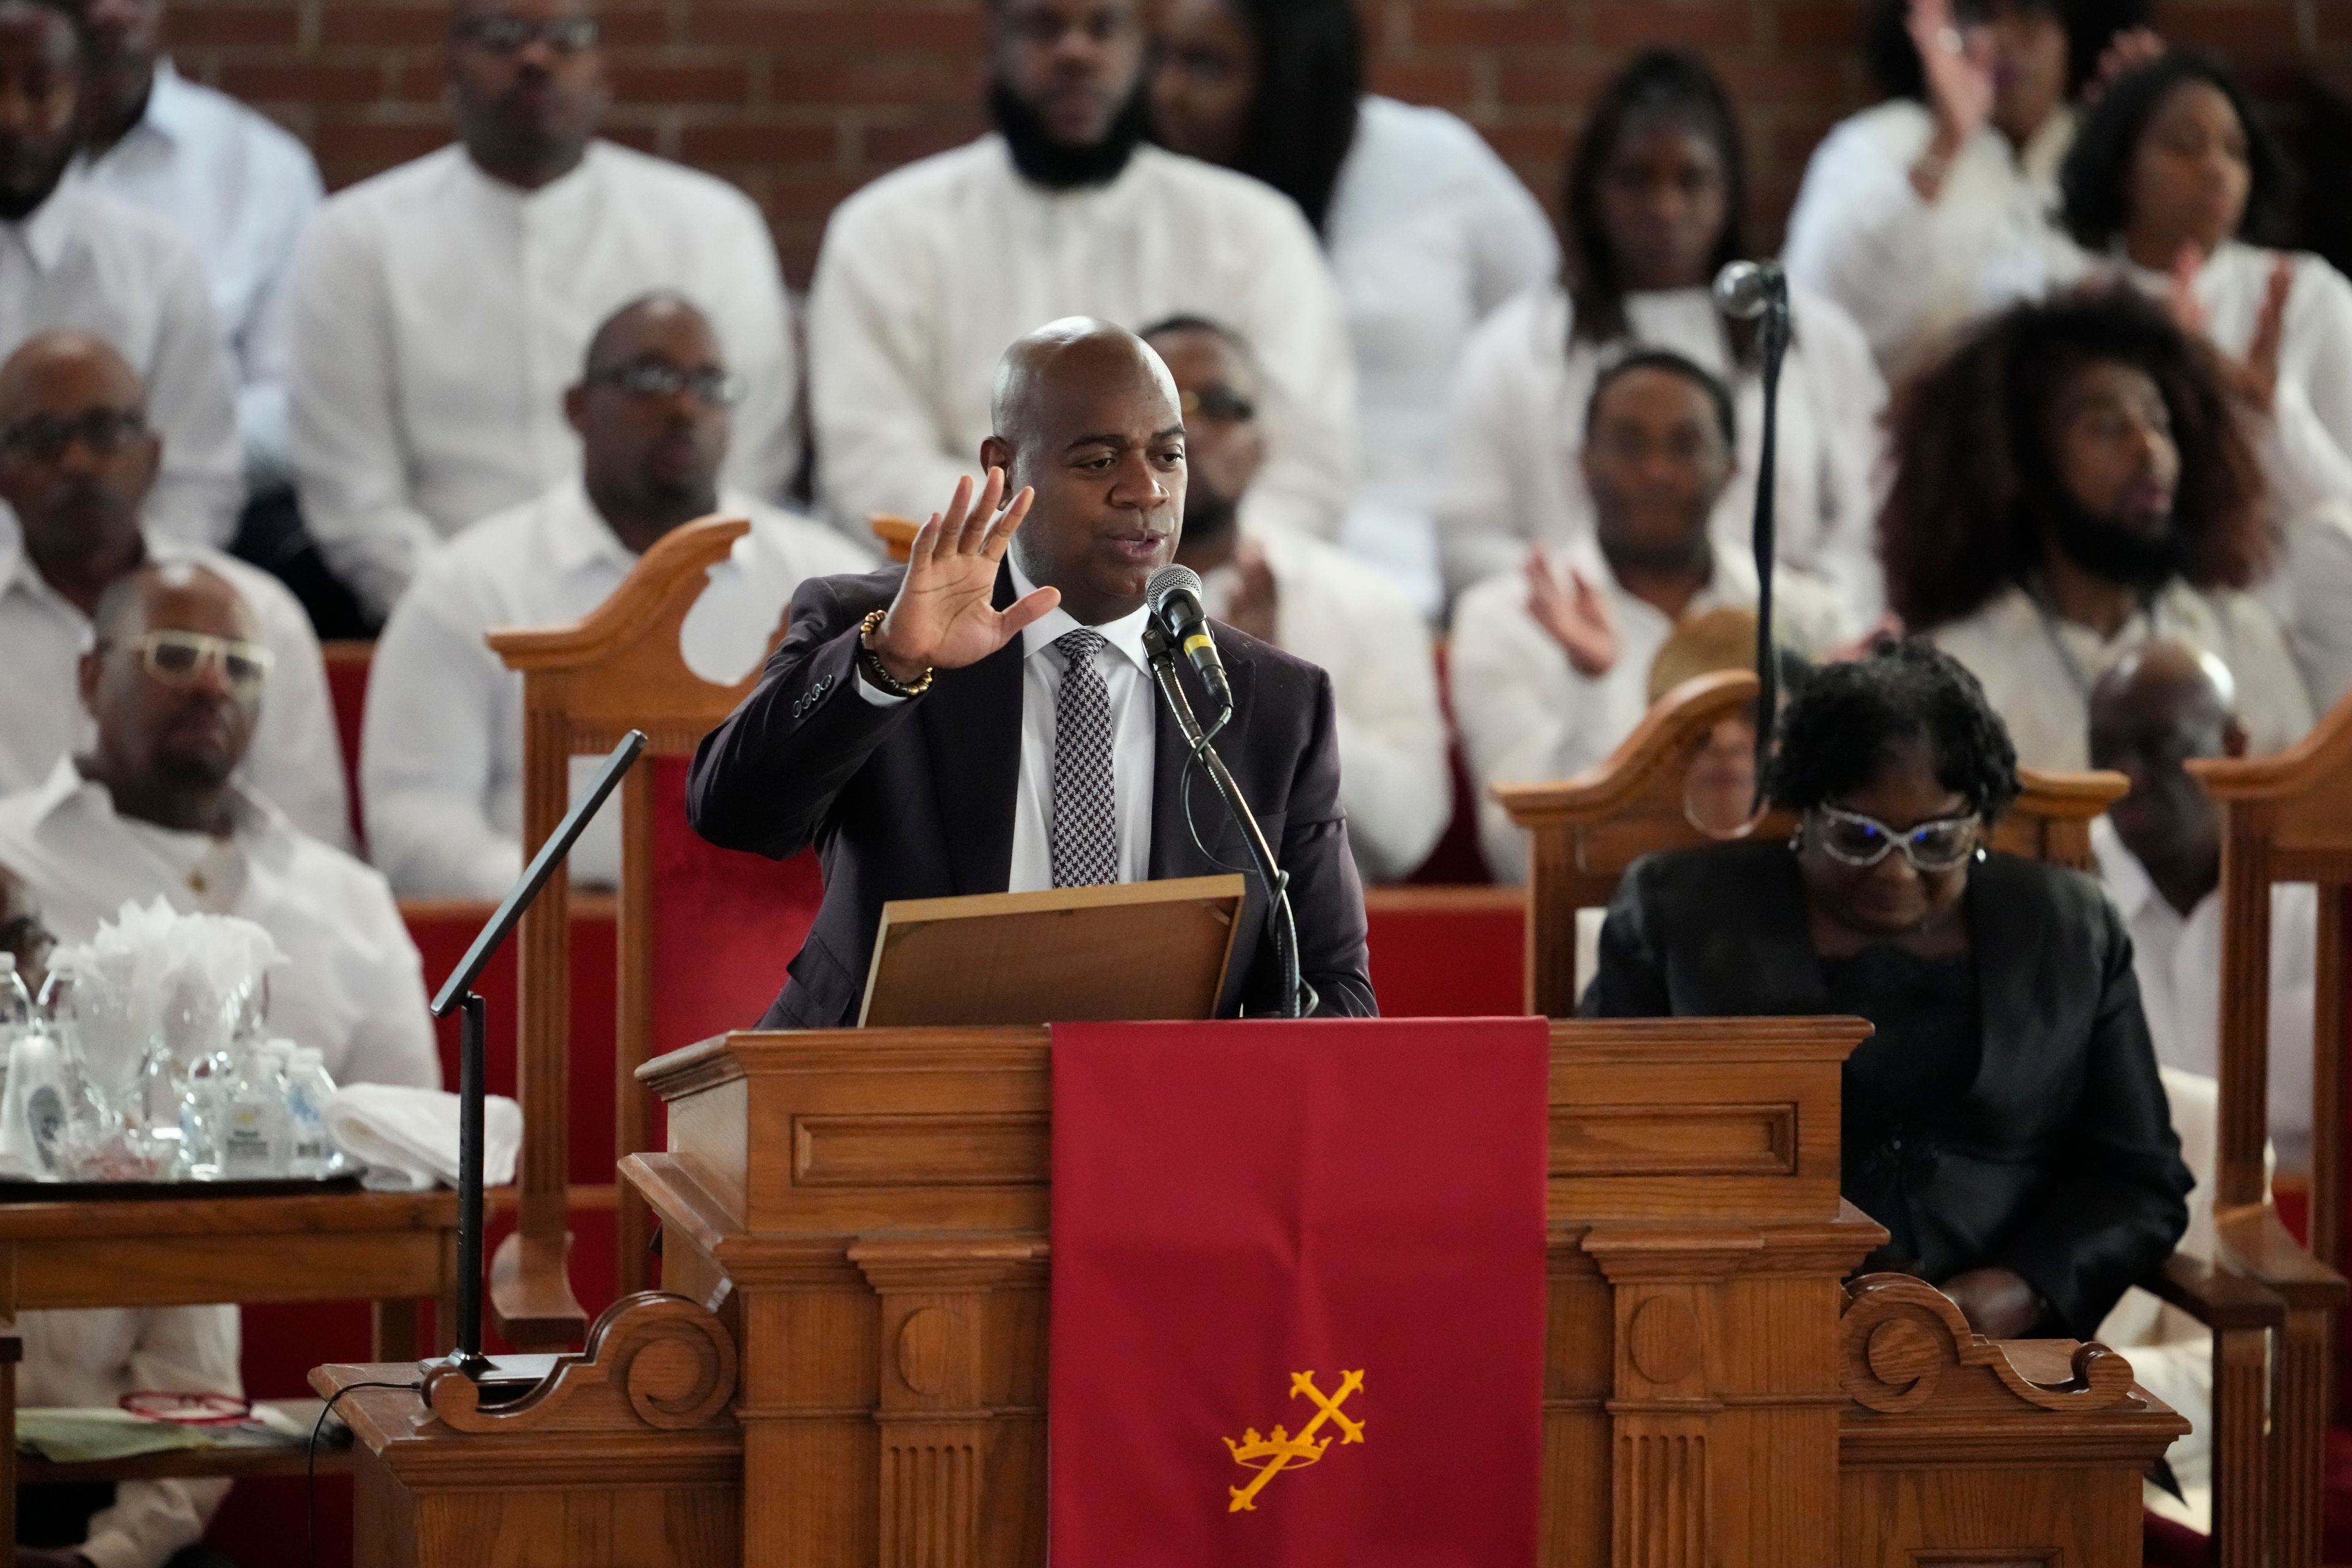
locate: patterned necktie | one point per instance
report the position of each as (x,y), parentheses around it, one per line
(1085,812)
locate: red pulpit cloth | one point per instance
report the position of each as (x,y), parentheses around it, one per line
(1298,1293)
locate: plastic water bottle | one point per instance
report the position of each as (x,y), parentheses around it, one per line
(257,1135)
(33,1103)
(308,1089)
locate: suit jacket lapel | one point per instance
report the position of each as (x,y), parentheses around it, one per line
(2009,958)
(971,721)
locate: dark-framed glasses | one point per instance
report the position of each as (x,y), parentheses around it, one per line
(504,34)
(180,659)
(652,378)
(1854,839)
(46,436)
(1216,402)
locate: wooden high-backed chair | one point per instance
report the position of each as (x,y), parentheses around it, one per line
(1588,829)
(728,923)
(2288,818)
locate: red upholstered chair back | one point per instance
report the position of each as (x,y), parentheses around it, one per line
(701,943)
(347,684)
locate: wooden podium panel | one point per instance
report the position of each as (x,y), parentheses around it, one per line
(862,1217)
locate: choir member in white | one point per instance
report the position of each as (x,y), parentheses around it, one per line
(1656,195)
(237,187)
(439,310)
(152,808)
(1907,206)
(927,274)
(2072,482)
(441,760)
(1311,598)
(1550,662)
(77,463)
(1427,230)
(72,259)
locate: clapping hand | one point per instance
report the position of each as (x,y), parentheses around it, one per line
(2255,377)
(1255,601)
(1956,66)
(2126,53)
(945,616)
(1577,616)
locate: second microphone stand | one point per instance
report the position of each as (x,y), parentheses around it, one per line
(1296,994)
(1772,344)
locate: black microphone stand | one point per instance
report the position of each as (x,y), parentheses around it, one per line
(1772,337)
(459,993)
(1162,654)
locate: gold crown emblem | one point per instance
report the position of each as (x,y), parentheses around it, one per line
(1271,1455)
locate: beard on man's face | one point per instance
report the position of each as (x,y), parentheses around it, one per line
(1056,165)
(1208,515)
(2136,556)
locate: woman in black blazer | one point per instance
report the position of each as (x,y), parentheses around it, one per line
(2005,1124)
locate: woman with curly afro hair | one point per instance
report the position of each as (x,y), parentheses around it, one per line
(2005,1124)
(2069,482)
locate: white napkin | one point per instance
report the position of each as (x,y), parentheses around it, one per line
(407,1138)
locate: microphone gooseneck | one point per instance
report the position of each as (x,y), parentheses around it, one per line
(1174,592)
(1759,291)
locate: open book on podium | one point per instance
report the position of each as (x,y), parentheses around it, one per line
(1127,952)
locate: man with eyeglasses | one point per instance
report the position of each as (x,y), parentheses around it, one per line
(441,754)
(1312,599)
(78,464)
(1549,665)
(929,273)
(438,310)
(73,258)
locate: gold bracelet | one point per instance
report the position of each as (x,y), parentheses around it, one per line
(871,662)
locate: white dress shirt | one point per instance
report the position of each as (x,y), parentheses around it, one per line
(1333,610)
(929,273)
(439,315)
(1134,746)
(352,983)
(85,262)
(241,189)
(2038,670)
(1428,232)
(1913,272)
(89,1359)
(1527,715)
(2177,959)
(441,749)
(1516,435)
(296,758)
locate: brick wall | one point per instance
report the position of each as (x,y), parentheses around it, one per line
(800,102)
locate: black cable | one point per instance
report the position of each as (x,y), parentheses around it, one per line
(1283,922)
(311,1457)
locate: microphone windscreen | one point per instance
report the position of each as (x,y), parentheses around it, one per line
(1170,579)
(1743,289)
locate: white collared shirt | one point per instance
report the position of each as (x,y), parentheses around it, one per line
(2038,672)
(296,758)
(1913,272)
(1527,715)
(1333,610)
(929,273)
(1516,417)
(86,262)
(88,1359)
(1134,745)
(1428,232)
(352,983)
(2177,959)
(437,317)
(441,749)
(240,190)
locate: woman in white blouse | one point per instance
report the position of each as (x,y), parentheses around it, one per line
(1426,228)
(1656,189)
(2175,184)
(1908,205)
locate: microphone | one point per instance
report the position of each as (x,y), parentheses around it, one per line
(1174,594)
(1746,290)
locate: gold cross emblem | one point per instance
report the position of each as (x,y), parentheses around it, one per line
(1269,1456)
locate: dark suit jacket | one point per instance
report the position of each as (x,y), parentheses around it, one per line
(2059,1162)
(916,800)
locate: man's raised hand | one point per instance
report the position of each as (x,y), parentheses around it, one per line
(945,616)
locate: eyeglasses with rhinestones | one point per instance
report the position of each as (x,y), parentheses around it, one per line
(180,659)
(1852,839)
(503,34)
(44,437)
(653,378)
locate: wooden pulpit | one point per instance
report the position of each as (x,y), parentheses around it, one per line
(851,1369)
